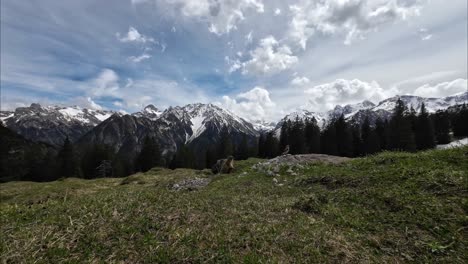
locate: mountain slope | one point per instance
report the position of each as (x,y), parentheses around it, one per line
(52,124)
(197,125)
(18,156)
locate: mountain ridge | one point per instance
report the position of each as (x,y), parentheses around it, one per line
(53,124)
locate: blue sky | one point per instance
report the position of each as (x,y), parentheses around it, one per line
(260,59)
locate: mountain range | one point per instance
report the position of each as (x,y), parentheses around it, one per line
(197,125)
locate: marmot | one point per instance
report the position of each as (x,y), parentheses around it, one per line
(223,165)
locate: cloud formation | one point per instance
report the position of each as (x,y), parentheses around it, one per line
(269,57)
(221,16)
(442,89)
(253,105)
(134,36)
(341,92)
(353,18)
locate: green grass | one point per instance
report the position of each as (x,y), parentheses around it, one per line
(392,207)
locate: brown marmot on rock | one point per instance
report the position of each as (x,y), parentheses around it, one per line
(223,165)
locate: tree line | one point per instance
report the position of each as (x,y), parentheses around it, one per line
(406,130)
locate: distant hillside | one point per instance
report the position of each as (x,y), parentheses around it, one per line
(21,158)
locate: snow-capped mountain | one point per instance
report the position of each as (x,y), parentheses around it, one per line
(150,112)
(263,126)
(197,125)
(356,113)
(200,118)
(52,124)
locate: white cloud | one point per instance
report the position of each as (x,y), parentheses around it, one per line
(253,105)
(300,81)
(106,84)
(353,18)
(268,58)
(134,36)
(277,12)
(140,58)
(341,92)
(442,89)
(86,102)
(222,16)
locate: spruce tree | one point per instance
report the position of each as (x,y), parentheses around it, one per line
(312,135)
(344,138)
(442,127)
(460,122)
(271,145)
(225,144)
(261,145)
(424,130)
(370,139)
(210,157)
(297,138)
(243,149)
(383,134)
(150,155)
(68,164)
(328,140)
(285,134)
(402,136)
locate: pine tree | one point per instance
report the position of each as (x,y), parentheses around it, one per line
(225,144)
(243,149)
(370,139)
(261,146)
(344,138)
(93,157)
(312,135)
(402,136)
(68,164)
(285,134)
(424,130)
(297,142)
(183,158)
(271,145)
(460,122)
(442,127)
(357,141)
(150,155)
(210,157)
(328,140)
(383,134)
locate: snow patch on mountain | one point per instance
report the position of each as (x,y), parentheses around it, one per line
(197,126)
(151,112)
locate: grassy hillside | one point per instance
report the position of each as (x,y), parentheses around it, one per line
(393,207)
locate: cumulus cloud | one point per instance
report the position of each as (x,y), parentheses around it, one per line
(268,58)
(134,36)
(105,84)
(86,102)
(442,89)
(221,16)
(353,18)
(253,105)
(340,92)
